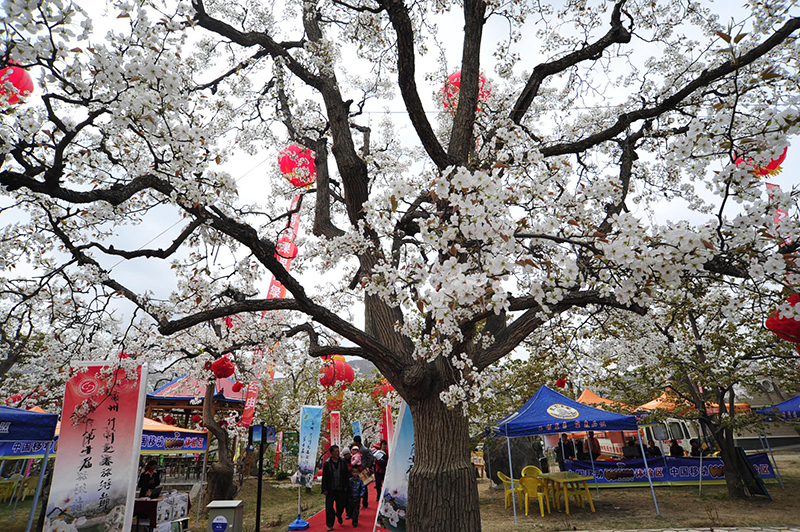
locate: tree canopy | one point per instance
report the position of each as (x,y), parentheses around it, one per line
(436,238)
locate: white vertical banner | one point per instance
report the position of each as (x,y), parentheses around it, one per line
(387,418)
(391,513)
(336,428)
(94,477)
(310,421)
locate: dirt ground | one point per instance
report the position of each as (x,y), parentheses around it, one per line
(681,507)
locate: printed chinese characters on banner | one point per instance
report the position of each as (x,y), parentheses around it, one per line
(310,421)
(94,476)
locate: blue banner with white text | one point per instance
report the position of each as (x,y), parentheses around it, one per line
(310,423)
(664,469)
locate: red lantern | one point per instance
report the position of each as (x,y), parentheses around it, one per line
(169,420)
(196,418)
(19,78)
(327,375)
(561,383)
(237,387)
(772,168)
(298,165)
(223,367)
(786,328)
(452,88)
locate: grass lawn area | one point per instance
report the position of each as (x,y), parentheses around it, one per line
(632,508)
(617,509)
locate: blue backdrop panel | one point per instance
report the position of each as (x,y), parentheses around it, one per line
(664,469)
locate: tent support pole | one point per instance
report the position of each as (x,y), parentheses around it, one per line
(774,463)
(647,470)
(38,488)
(487,464)
(21,486)
(200,494)
(594,474)
(511,474)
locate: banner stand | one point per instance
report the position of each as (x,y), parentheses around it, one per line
(774,463)
(299,523)
(511,474)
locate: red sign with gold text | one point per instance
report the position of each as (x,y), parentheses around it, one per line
(94,478)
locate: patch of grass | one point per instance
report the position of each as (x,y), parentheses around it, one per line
(632,508)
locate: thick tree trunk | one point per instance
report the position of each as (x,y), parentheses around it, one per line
(734,477)
(220,484)
(442,491)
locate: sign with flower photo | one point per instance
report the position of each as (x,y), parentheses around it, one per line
(394,497)
(94,478)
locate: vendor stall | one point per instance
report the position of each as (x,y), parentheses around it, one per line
(549,412)
(27,434)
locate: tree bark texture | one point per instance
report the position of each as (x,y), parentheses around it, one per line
(734,478)
(442,491)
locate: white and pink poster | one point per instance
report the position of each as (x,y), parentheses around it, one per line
(336,429)
(94,479)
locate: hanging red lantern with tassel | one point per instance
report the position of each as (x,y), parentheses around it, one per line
(561,383)
(19,78)
(786,328)
(298,165)
(196,418)
(773,167)
(223,367)
(237,387)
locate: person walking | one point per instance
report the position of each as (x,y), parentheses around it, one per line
(367,463)
(334,486)
(381,461)
(356,490)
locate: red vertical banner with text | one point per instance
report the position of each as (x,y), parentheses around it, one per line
(336,428)
(387,419)
(94,478)
(250,404)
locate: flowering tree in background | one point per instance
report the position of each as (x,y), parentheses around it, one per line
(438,247)
(703,346)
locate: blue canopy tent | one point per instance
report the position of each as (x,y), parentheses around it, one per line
(549,412)
(787,411)
(22,429)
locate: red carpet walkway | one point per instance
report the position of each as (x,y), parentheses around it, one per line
(365,520)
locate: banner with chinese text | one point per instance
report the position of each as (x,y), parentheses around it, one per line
(391,514)
(336,428)
(94,477)
(356,426)
(250,404)
(310,422)
(664,470)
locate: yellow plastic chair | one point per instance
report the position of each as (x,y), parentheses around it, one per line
(574,490)
(531,471)
(29,487)
(535,487)
(510,486)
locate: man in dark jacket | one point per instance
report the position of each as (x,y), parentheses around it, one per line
(335,481)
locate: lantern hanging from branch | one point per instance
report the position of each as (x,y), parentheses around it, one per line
(223,367)
(237,387)
(786,328)
(561,383)
(298,165)
(452,89)
(770,169)
(19,78)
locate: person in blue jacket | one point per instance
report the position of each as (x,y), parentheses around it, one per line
(355,492)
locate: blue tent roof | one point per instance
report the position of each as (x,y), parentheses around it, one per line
(787,410)
(17,424)
(549,412)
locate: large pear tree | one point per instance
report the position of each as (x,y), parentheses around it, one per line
(588,156)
